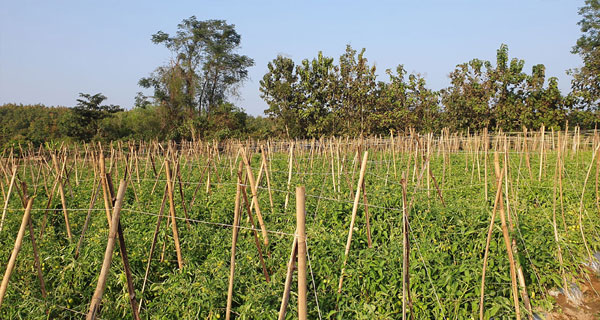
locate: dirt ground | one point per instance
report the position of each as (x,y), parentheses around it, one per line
(588,310)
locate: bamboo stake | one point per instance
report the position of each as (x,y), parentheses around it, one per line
(87,218)
(508,244)
(255,198)
(62,194)
(361,177)
(172,213)
(406,298)
(288,280)
(152,247)
(291,162)
(234,236)
(10,187)
(110,246)
(301,234)
(13,257)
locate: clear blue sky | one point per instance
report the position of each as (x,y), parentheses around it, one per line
(52,50)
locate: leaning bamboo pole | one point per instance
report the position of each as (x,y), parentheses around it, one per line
(234,236)
(10,188)
(110,246)
(13,257)
(361,177)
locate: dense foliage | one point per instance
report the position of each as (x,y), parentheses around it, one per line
(447,242)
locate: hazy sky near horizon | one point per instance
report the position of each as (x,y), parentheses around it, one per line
(52,50)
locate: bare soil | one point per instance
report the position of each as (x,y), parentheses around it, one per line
(588,310)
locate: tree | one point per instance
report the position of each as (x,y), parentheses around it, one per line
(586,80)
(357,93)
(205,69)
(279,89)
(86,116)
(467,100)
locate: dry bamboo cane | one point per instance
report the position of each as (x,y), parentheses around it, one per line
(87,218)
(367,219)
(185,210)
(110,246)
(555,229)
(288,280)
(104,184)
(172,213)
(255,198)
(291,162)
(542,134)
(587,248)
(406,298)
(10,187)
(487,243)
(519,269)
(36,258)
(123,250)
(361,177)
(234,236)
(62,194)
(254,232)
(13,257)
(152,247)
(301,234)
(267,175)
(508,244)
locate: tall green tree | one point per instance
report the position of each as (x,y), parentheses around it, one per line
(357,88)
(205,71)
(279,89)
(84,121)
(586,80)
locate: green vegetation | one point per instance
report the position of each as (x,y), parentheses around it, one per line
(447,241)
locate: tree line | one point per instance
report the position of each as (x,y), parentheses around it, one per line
(193,95)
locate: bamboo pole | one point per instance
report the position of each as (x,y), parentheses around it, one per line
(10,187)
(13,257)
(255,198)
(62,194)
(234,236)
(361,177)
(288,280)
(110,246)
(301,234)
(508,244)
(152,247)
(172,213)
(291,162)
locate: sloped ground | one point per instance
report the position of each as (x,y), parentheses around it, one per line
(588,310)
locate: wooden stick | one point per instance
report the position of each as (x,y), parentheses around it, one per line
(152,247)
(123,251)
(87,218)
(367,219)
(291,162)
(172,212)
(301,234)
(110,246)
(10,187)
(234,236)
(255,198)
(288,280)
(361,177)
(62,194)
(487,243)
(508,244)
(13,257)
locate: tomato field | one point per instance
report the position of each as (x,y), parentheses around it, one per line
(429,202)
